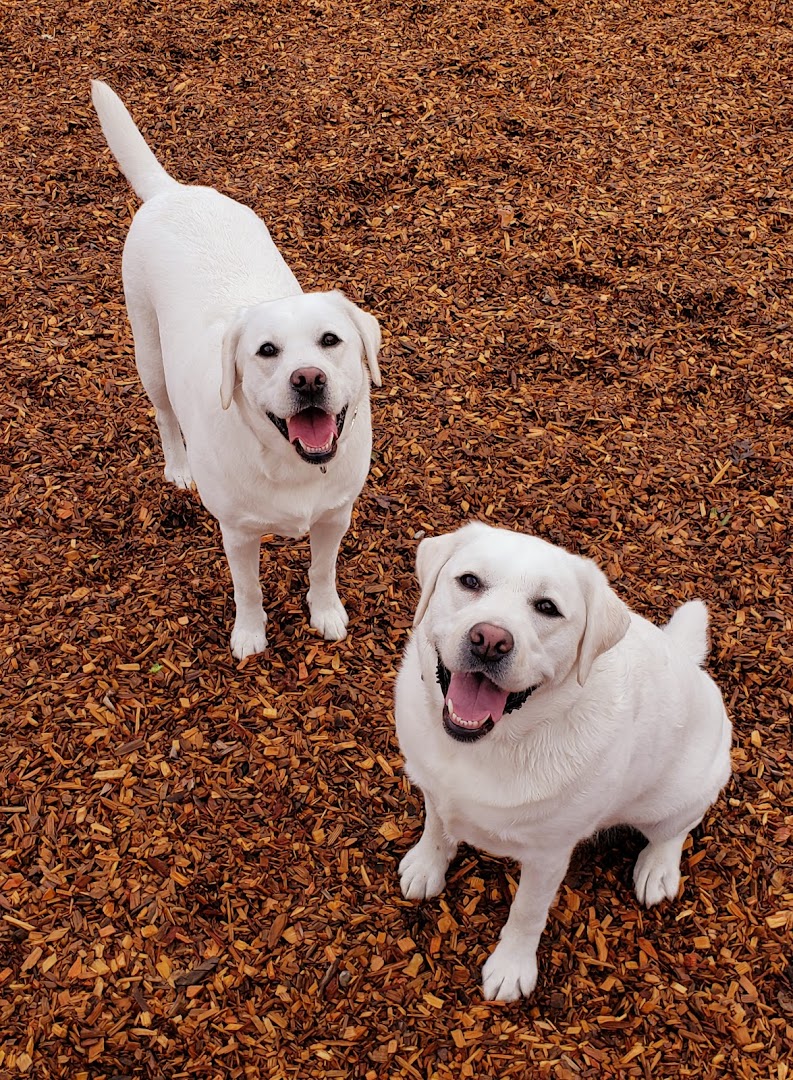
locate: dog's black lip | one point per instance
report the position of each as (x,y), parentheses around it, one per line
(460,734)
(280,423)
(514,701)
(312,459)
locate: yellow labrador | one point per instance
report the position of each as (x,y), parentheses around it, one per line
(261,395)
(534,709)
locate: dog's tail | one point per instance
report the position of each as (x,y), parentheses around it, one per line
(134,157)
(688,628)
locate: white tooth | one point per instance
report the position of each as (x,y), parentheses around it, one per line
(317,449)
(459,719)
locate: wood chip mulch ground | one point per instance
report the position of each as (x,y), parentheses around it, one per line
(574,222)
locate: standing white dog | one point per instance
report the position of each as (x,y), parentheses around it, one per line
(534,709)
(262,399)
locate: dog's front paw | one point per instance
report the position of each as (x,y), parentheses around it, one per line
(509,973)
(422,872)
(656,875)
(247,642)
(329,617)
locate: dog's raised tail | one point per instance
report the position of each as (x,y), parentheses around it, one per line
(689,629)
(130,149)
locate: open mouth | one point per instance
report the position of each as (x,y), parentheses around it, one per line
(473,704)
(313,432)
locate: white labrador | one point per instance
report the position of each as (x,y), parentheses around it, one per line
(261,395)
(533,709)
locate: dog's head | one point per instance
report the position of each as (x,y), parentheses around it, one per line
(509,614)
(298,362)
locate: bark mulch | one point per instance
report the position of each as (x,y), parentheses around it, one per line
(574,220)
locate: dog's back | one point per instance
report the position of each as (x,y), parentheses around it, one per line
(192,254)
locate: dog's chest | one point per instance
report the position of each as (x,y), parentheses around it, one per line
(498,829)
(494,815)
(495,803)
(289,511)
(243,496)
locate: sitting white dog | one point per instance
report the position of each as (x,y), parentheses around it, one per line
(534,709)
(261,396)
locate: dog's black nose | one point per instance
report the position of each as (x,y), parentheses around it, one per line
(308,380)
(490,642)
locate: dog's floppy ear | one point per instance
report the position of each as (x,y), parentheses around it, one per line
(607,619)
(431,557)
(369,329)
(228,357)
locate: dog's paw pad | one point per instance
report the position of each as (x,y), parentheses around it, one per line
(422,873)
(330,619)
(247,642)
(509,974)
(656,875)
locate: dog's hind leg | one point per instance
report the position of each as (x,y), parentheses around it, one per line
(148,359)
(656,875)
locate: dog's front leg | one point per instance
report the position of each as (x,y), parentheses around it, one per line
(422,872)
(242,551)
(327,611)
(511,970)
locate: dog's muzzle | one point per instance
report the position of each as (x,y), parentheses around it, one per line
(473,703)
(313,432)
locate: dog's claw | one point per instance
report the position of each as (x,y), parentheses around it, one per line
(656,875)
(181,478)
(508,974)
(330,619)
(422,873)
(247,642)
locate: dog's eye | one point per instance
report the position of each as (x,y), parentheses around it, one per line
(327,341)
(547,607)
(470,582)
(267,350)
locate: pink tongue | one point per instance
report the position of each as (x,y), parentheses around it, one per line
(474,697)
(313,427)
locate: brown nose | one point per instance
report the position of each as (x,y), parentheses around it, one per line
(307,380)
(490,642)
